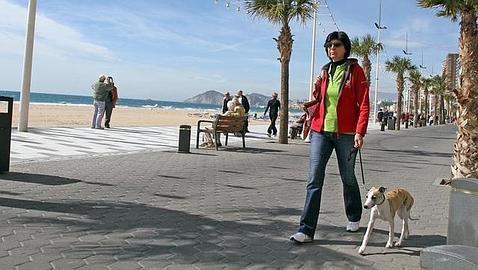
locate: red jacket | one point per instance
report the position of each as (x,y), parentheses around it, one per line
(353,101)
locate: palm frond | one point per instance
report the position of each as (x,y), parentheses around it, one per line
(448,8)
(282,12)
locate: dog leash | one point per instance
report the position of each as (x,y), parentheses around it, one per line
(355,150)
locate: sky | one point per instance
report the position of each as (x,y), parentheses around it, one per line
(171,50)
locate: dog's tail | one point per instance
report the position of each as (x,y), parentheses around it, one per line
(410,216)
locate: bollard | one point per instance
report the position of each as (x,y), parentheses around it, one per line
(184,139)
(5,134)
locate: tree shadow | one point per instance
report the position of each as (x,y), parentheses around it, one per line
(414,152)
(249,150)
(135,231)
(44,179)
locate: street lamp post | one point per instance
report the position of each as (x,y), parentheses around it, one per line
(312,63)
(27,67)
(312,55)
(379,27)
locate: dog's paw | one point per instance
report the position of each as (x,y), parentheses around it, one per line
(398,244)
(389,245)
(361,250)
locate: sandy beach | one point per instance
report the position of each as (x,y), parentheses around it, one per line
(66,115)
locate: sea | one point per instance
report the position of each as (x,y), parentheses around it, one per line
(45,98)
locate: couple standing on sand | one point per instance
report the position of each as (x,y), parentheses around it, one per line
(105,95)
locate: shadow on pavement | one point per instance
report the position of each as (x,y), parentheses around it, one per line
(414,152)
(334,235)
(151,235)
(44,179)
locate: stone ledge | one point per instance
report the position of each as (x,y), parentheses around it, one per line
(447,257)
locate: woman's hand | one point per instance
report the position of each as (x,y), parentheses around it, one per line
(358,141)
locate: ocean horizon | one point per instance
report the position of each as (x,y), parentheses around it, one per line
(46,98)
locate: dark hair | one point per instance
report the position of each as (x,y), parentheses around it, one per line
(342,36)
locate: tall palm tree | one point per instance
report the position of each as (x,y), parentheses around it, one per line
(282,13)
(399,65)
(415,77)
(426,82)
(466,145)
(363,48)
(438,90)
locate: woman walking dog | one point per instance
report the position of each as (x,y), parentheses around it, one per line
(338,120)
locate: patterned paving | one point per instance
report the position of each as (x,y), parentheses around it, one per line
(62,143)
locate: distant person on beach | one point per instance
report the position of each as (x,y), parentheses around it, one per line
(273,106)
(245,103)
(100,94)
(380,116)
(335,123)
(225,100)
(110,101)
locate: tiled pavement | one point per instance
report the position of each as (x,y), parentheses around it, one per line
(230,209)
(60,143)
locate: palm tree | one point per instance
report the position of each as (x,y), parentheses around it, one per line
(364,48)
(282,13)
(415,77)
(464,157)
(438,90)
(426,82)
(399,65)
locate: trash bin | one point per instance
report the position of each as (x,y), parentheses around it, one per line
(184,138)
(5,132)
(391,123)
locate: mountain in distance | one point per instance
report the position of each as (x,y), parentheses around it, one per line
(215,97)
(208,97)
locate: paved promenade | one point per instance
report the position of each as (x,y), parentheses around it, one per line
(153,208)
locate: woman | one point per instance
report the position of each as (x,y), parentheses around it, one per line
(110,101)
(338,121)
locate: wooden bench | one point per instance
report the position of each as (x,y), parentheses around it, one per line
(223,124)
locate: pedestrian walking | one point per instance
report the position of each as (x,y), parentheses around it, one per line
(273,107)
(100,94)
(110,101)
(338,122)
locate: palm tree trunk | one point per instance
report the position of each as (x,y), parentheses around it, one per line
(425,93)
(415,106)
(442,110)
(284,45)
(465,155)
(400,87)
(367,67)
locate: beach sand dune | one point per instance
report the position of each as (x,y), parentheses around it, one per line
(66,115)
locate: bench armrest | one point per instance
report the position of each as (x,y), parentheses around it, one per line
(204,121)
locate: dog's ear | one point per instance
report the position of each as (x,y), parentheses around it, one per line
(381,189)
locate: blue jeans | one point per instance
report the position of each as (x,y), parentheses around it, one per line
(321,146)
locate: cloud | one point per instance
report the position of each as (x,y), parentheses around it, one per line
(51,38)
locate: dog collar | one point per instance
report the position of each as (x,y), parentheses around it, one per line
(383,200)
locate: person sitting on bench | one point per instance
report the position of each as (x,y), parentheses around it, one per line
(296,127)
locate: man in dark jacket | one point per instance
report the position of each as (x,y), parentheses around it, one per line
(273,106)
(245,103)
(227,98)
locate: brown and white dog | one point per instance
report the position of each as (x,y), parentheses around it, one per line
(384,206)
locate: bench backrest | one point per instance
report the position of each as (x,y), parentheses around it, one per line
(229,124)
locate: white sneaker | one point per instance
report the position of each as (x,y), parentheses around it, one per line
(353,226)
(300,238)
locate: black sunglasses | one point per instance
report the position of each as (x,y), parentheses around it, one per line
(335,44)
